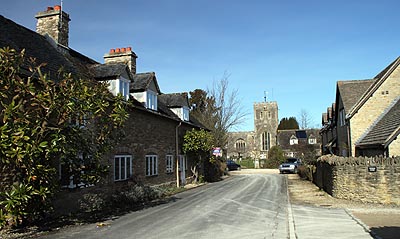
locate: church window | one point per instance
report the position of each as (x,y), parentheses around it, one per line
(265,141)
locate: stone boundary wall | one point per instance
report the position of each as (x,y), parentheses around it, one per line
(356,179)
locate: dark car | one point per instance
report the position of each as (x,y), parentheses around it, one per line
(231,165)
(290,166)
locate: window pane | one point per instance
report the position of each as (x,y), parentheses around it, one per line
(128,167)
(116,168)
(123,168)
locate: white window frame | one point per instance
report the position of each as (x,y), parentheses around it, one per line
(151,165)
(119,86)
(185,113)
(293,140)
(312,140)
(151,100)
(169,163)
(122,167)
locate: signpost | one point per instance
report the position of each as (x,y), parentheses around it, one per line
(217,152)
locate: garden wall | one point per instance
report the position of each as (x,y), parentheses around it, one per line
(374,180)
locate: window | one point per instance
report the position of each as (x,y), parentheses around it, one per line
(119,86)
(169,162)
(151,165)
(312,140)
(265,141)
(151,102)
(240,145)
(342,118)
(185,113)
(261,114)
(293,140)
(122,167)
(73,179)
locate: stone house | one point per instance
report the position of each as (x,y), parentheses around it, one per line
(300,143)
(154,132)
(366,115)
(328,131)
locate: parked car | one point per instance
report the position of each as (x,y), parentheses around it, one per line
(290,166)
(232,165)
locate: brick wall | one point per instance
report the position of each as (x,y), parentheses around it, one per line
(349,178)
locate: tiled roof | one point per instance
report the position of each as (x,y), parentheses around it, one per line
(37,46)
(351,91)
(175,99)
(109,71)
(385,129)
(142,81)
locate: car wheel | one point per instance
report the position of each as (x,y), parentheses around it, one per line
(239,168)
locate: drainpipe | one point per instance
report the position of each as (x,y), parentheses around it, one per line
(177,153)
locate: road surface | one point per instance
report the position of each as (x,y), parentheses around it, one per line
(242,206)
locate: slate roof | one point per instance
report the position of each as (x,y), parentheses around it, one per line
(109,71)
(385,129)
(351,91)
(142,81)
(175,99)
(37,46)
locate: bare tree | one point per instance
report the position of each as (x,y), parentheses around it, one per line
(219,109)
(305,119)
(229,111)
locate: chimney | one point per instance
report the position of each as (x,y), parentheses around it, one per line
(122,55)
(55,23)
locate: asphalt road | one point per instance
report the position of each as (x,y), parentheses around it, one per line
(242,206)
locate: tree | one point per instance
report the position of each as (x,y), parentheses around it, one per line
(275,157)
(198,143)
(47,123)
(288,123)
(219,109)
(305,119)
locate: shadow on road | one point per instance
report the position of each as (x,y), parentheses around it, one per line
(386,232)
(51,224)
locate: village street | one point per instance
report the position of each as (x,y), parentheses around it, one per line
(242,206)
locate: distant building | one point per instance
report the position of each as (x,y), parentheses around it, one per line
(256,144)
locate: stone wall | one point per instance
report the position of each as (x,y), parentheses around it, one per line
(355,178)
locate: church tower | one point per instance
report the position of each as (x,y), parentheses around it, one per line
(266,123)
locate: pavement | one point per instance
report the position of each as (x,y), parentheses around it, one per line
(308,201)
(379,220)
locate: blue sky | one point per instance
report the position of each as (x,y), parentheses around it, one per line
(294,50)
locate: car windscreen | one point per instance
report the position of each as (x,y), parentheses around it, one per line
(291,160)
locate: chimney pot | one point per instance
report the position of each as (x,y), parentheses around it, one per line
(123,49)
(117,50)
(57,7)
(112,51)
(50,8)
(129,48)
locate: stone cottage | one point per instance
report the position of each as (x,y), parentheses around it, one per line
(366,120)
(300,143)
(151,151)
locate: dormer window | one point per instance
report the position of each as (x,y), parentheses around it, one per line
(312,140)
(119,86)
(182,112)
(293,140)
(151,101)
